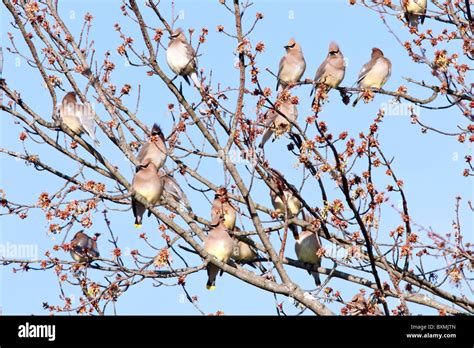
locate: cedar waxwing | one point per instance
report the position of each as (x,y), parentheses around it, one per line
(331,72)
(181,57)
(155,149)
(222,206)
(77,117)
(219,244)
(375,73)
(148,183)
(245,253)
(242,252)
(360,306)
(415,11)
(172,190)
(84,248)
(306,247)
(276,123)
(284,197)
(292,65)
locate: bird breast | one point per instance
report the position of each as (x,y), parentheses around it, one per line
(77,257)
(293,204)
(416,6)
(221,248)
(70,115)
(292,72)
(150,190)
(306,248)
(335,74)
(178,59)
(377,76)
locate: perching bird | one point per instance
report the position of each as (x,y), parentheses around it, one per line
(283,200)
(148,183)
(218,243)
(331,72)
(415,11)
(241,251)
(83,248)
(77,117)
(276,123)
(375,73)
(155,149)
(359,305)
(292,65)
(172,190)
(284,196)
(245,253)
(222,206)
(181,57)
(306,247)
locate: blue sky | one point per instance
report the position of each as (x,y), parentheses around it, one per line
(430,165)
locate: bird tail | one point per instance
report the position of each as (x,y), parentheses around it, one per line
(195,79)
(317,280)
(294,230)
(268,133)
(211,286)
(357,100)
(185,77)
(212,272)
(412,20)
(138,211)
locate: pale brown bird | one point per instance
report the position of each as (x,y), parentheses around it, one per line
(77,117)
(276,123)
(331,72)
(306,247)
(155,149)
(292,65)
(359,305)
(148,183)
(284,201)
(245,253)
(375,73)
(241,251)
(181,57)
(219,244)
(415,11)
(222,206)
(172,190)
(83,248)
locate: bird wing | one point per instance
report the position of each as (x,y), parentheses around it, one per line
(191,53)
(143,151)
(365,69)
(319,73)
(86,116)
(171,186)
(271,115)
(280,68)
